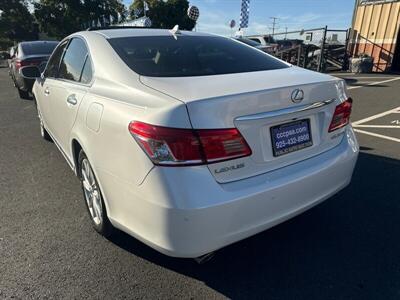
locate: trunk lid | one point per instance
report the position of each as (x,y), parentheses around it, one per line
(253,103)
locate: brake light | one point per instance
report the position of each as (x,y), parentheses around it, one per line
(341,117)
(173,146)
(23,63)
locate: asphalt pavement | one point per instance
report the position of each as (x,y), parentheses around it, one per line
(346,248)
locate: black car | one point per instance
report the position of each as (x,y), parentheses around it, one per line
(29,54)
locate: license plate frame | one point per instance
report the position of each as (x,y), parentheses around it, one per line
(289,136)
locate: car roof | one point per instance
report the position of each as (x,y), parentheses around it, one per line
(38,42)
(132,32)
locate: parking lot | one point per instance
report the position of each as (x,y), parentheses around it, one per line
(346,248)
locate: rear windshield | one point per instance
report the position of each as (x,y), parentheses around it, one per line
(38,48)
(180,56)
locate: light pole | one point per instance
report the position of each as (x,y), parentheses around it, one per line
(273,24)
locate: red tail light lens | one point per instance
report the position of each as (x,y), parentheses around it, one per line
(223,144)
(18,64)
(23,63)
(341,117)
(172,146)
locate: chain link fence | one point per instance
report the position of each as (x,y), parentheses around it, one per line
(319,49)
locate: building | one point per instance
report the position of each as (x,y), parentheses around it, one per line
(376,33)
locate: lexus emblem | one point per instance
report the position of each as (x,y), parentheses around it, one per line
(297,95)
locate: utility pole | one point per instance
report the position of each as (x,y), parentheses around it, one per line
(274,23)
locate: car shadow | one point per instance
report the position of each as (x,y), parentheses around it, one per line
(346,248)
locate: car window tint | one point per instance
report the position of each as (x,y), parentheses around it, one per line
(73,61)
(54,62)
(168,56)
(36,48)
(87,71)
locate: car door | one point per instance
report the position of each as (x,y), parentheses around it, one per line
(46,83)
(67,92)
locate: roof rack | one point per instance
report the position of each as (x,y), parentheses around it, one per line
(116,27)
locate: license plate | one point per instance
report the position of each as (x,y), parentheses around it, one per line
(290,137)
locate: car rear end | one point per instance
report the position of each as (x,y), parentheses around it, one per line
(266,143)
(31,54)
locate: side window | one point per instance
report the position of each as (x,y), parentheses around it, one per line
(73,60)
(87,71)
(54,62)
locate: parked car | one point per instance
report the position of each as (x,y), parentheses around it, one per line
(254,44)
(265,40)
(10,57)
(189,141)
(3,59)
(29,54)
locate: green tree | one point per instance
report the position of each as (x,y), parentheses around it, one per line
(60,18)
(16,22)
(165,14)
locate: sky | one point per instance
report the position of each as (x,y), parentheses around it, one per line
(215,15)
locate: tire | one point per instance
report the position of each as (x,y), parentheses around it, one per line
(23,94)
(93,197)
(43,132)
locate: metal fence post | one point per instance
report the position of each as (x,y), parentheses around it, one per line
(321,55)
(345,65)
(299,56)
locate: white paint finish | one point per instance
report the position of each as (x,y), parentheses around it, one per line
(93,116)
(191,214)
(129,32)
(185,211)
(378,135)
(191,89)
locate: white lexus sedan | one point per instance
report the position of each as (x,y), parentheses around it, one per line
(190,142)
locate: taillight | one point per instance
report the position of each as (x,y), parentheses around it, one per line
(18,64)
(341,117)
(23,63)
(173,146)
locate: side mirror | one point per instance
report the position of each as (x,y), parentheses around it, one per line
(30,72)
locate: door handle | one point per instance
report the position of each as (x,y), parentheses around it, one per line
(47,92)
(72,99)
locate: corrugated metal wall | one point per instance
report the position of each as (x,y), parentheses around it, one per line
(375,32)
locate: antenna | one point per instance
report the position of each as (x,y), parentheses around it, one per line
(175,30)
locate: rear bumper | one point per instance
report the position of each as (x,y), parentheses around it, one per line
(184,212)
(24,84)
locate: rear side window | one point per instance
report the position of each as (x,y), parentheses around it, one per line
(73,61)
(54,62)
(167,56)
(37,48)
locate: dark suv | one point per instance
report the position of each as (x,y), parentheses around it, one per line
(29,54)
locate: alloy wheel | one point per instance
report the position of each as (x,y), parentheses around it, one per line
(92,193)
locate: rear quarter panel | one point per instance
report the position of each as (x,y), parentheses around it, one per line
(115,156)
